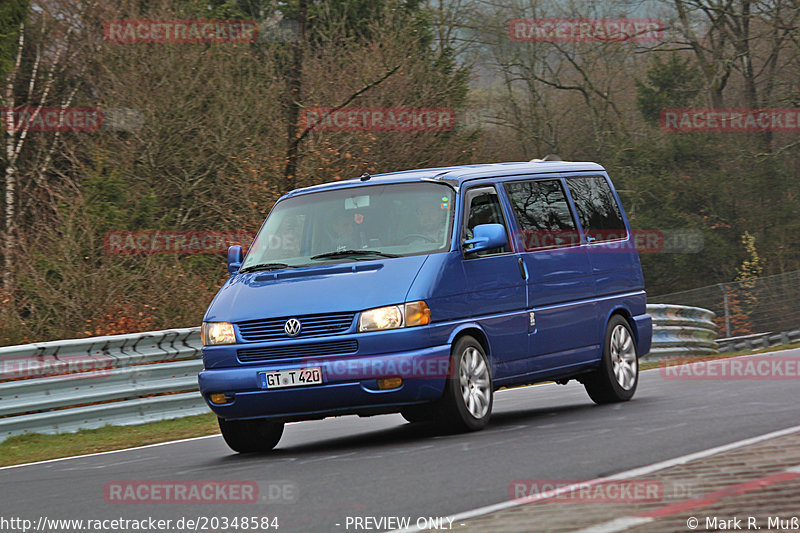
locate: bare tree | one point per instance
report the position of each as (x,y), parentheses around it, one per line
(569,97)
(12,154)
(753,38)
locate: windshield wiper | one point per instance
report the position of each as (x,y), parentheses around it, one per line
(350,253)
(265,266)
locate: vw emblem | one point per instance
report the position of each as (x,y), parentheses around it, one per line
(292,327)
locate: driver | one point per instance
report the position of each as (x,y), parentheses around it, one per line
(432,221)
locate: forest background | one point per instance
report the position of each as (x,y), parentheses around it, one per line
(205,136)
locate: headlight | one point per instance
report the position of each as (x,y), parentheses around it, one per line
(381,318)
(395,316)
(218,333)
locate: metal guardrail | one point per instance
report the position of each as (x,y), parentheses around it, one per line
(100,352)
(758,340)
(679,330)
(61,386)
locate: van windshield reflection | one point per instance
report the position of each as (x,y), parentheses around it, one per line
(355,224)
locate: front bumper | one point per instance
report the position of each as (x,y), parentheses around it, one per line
(349,385)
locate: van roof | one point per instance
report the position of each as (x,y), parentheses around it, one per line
(457,175)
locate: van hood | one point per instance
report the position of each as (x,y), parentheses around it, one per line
(327,288)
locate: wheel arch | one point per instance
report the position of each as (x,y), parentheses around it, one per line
(625,314)
(475,331)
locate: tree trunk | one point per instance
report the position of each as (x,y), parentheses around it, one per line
(294,85)
(10,174)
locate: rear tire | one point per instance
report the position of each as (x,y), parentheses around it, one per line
(618,376)
(468,395)
(251,436)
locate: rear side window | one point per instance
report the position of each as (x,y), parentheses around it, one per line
(542,213)
(597,209)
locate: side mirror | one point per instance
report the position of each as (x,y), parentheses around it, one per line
(234,259)
(486,237)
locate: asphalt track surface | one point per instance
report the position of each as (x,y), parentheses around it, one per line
(381,466)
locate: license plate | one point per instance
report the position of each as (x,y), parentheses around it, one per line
(295,377)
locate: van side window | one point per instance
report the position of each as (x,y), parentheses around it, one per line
(543,214)
(483,207)
(597,209)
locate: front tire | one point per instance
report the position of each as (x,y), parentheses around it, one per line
(618,376)
(468,395)
(251,436)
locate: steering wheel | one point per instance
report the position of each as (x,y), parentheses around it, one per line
(411,236)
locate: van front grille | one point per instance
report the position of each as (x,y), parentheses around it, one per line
(310,349)
(269,329)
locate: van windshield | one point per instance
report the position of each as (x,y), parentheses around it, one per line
(354,224)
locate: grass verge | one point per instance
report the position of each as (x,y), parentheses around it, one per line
(38,447)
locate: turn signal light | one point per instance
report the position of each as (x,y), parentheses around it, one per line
(389,383)
(219,397)
(417,314)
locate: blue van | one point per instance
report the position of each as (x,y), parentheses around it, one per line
(423,292)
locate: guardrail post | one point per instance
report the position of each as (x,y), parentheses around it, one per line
(727,310)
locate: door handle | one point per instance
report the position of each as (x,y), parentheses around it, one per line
(522,271)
